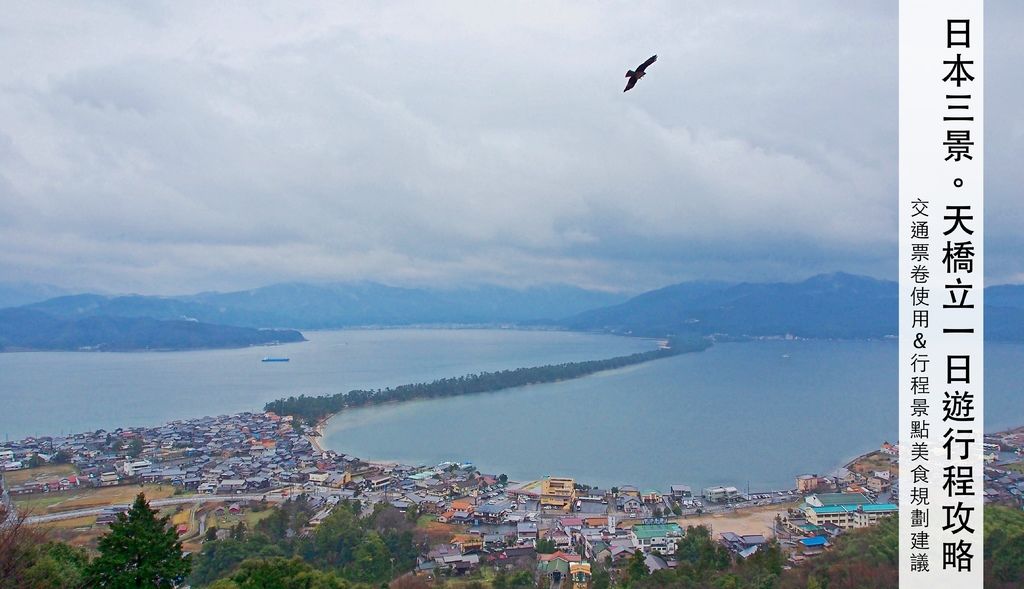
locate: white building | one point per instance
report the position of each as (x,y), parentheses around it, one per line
(131,468)
(658,538)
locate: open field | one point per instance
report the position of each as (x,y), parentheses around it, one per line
(229,520)
(754,520)
(85,498)
(85,532)
(39,502)
(484,574)
(47,472)
(81,531)
(87,538)
(1015,466)
(71,524)
(438,532)
(180,517)
(254,517)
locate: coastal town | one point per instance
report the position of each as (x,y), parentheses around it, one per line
(214,472)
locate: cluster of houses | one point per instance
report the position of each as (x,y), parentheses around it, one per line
(572,525)
(1004,471)
(812,527)
(854,497)
(511,530)
(498,523)
(553,527)
(1010,441)
(247,452)
(1004,485)
(874,483)
(567,540)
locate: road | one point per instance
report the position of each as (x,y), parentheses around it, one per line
(190,500)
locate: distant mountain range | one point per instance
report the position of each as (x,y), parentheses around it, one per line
(313,306)
(841,306)
(215,320)
(27,329)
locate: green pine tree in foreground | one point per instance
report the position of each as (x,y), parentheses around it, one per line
(140,550)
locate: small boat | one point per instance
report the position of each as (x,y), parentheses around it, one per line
(273,359)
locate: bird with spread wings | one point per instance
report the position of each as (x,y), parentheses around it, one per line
(639,73)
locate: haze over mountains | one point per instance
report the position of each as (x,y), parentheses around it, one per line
(324,306)
(838,305)
(13,294)
(26,329)
(234,319)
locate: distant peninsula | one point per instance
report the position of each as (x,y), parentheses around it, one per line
(23,329)
(315,409)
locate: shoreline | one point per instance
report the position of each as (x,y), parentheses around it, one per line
(250,394)
(726,513)
(321,424)
(315,440)
(315,433)
(75,423)
(843,464)
(746,503)
(298,407)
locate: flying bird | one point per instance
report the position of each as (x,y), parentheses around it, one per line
(639,73)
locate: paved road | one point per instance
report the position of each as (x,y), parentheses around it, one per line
(190,500)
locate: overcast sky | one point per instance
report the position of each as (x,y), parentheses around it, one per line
(178,147)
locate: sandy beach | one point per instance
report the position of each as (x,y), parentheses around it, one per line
(315,440)
(753,520)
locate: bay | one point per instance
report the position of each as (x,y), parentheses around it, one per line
(751,414)
(47,393)
(756,413)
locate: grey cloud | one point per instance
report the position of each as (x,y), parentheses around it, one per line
(181,147)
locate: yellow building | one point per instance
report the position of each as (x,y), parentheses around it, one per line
(558,493)
(579,572)
(467,543)
(808,483)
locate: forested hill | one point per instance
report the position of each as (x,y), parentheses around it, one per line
(328,306)
(235,319)
(826,306)
(26,329)
(313,409)
(840,306)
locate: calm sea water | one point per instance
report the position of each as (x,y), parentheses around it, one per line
(745,413)
(44,393)
(735,414)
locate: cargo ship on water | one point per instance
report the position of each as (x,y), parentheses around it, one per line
(274,359)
